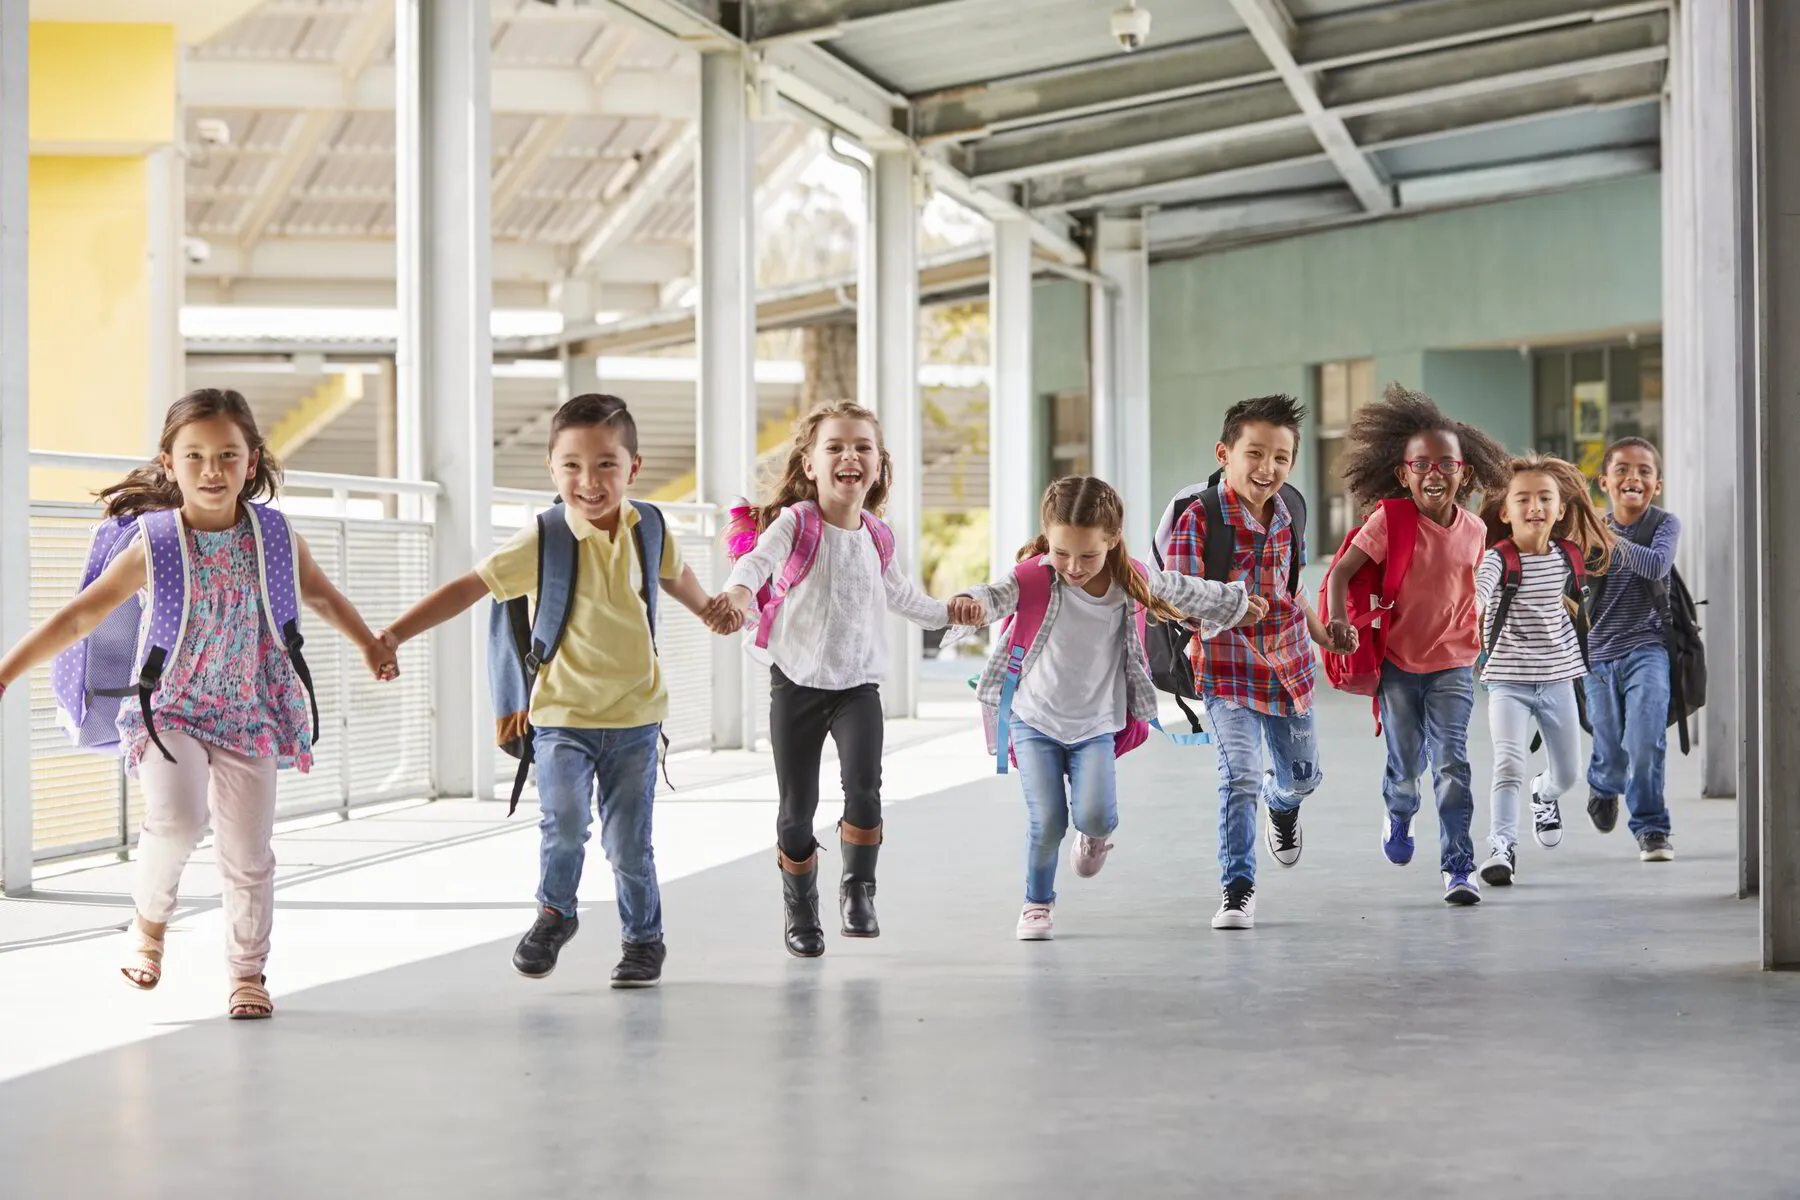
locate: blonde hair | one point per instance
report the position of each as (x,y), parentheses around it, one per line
(1084,502)
(1581,523)
(792,486)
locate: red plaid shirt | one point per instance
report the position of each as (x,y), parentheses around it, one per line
(1266,667)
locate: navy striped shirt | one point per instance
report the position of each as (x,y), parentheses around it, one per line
(1626,618)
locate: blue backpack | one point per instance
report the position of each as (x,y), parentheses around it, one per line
(126,654)
(521,643)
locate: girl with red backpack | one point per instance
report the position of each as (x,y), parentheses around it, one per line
(1073,692)
(1416,467)
(228,706)
(815,575)
(1531,588)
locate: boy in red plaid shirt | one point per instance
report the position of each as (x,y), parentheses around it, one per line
(1256,680)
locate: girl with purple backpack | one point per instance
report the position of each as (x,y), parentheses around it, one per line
(815,574)
(1070,689)
(222,574)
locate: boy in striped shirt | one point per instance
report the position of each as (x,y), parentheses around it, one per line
(1628,688)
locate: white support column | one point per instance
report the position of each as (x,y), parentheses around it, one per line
(1744,410)
(897,400)
(1770,425)
(726,329)
(1103,372)
(167,173)
(15,455)
(446,412)
(1683,418)
(1012,405)
(1712,163)
(1122,254)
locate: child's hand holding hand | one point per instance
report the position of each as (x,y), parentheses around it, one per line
(381,656)
(967,610)
(722,616)
(1340,637)
(1254,611)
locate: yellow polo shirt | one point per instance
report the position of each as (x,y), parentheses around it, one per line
(605,674)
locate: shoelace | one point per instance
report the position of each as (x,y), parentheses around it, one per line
(1237,896)
(1286,825)
(1546,812)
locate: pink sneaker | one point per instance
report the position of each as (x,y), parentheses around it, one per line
(1090,855)
(1036,923)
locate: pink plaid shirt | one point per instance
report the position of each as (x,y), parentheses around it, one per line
(1267,667)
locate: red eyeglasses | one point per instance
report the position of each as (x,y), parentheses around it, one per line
(1443,466)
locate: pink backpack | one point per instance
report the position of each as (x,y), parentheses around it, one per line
(809,531)
(1017,633)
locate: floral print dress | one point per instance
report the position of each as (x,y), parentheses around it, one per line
(230,683)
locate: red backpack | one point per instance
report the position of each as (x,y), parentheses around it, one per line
(1371,593)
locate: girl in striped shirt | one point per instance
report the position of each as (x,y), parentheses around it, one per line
(1529,589)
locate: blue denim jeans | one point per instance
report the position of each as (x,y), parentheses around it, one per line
(1426,719)
(622,762)
(1292,775)
(1628,706)
(1092,797)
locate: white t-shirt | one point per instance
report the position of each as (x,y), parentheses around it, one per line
(1538,644)
(1075,690)
(831,631)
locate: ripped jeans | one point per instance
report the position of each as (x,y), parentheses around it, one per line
(1292,775)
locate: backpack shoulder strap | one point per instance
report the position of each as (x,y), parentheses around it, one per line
(883,537)
(651,533)
(278,575)
(1296,506)
(166,570)
(558,564)
(809,532)
(1033,576)
(1402,539)
(1221,538)
(1512,573)
(1577,590)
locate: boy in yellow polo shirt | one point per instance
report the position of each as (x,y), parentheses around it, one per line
(598,704)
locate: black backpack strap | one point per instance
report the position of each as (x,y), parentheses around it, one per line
(1221,540)
(148,678)
(1511,574)
(1296,506)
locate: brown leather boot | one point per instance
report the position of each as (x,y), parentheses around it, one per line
(856,892)
(800,895)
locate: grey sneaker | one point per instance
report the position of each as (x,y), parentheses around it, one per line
(1603,811)
(1653,846)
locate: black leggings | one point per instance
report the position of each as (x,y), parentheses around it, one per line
(799,719)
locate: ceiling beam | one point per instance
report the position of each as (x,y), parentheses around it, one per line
(1273,27)
(1439,77)
(313,413)
(371,259)
(774,19)
(549,91)
(1211,222)
(1486,183)
(518,169)
(1397,30)
(618,224)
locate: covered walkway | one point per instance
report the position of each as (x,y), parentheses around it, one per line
(1602,1028)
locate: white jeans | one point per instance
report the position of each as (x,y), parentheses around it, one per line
(1512,707)
(240,792)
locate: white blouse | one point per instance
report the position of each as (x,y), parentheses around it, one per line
(831,631)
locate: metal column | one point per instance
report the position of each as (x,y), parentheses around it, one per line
(1717,372)
(446,408)
(15,454)
(1743,411)
(1122,428)
(726,333)
(897,401)
(1683,421)
(1770,423)
(1012,437)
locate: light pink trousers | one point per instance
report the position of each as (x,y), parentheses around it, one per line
(240,793)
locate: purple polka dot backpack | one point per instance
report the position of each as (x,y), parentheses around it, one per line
(128,651)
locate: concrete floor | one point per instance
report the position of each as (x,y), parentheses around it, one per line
(1599,1029)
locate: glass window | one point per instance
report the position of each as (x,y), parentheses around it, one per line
(1344,388)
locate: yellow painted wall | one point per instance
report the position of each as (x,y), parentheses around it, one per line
(110,87)
(102,97)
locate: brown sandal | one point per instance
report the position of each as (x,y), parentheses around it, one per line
(144,971)
(250,1000)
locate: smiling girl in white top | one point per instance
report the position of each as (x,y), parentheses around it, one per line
(1534,654)
(824,636)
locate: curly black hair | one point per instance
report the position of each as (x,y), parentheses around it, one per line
(1283,412)
(1377,448)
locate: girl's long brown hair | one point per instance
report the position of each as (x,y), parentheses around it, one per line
(1083,502)
(792,486)
(150,487)
(1581,522)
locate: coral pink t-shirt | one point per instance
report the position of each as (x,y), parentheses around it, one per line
(1434,626)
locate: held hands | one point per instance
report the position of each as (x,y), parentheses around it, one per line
(967,610)
(722,613)
(1339,637)
(381,656)
(1255,610)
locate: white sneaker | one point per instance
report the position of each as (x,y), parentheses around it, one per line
(1283,836)
(1500,866)
(1237,908)
(1090,855)
(1035,924)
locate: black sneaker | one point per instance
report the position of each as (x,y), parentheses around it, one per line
(1653,846)
(1604,812)
(1500,867)
(536,955)
(641,966)
(1284,836)
(1237,908)
(1546,820)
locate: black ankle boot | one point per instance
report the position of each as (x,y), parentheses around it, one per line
(800,893)
(856,892)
